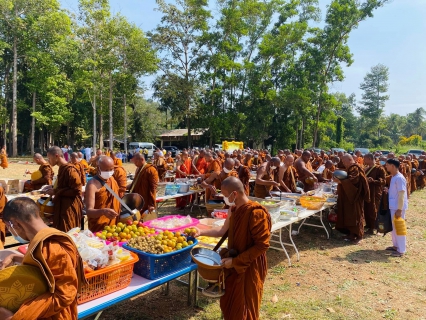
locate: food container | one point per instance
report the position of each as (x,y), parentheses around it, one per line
(154,266)
(206,223)
(183,187)
(171,189)
(312,202)
(193,223)
(272,206)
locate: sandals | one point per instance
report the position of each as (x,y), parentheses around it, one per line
(397,254)
(390,249)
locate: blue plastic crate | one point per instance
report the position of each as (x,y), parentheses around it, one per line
(171,190)
(154,266)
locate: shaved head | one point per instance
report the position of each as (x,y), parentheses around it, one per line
(105,163)
(55,151)
(348,160)
(289,160)
(232,184)
(328,164)
(74,157)
(80,155)
(229,163)
(275,161)
(21,208)
(38,158)
(138,159)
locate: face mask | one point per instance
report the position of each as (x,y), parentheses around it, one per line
(273,167)
(421,160)
(78,159)
(236,168)
(226,170)
(17,237)
(106,174)
(256,156)
(382,163)
(227,202)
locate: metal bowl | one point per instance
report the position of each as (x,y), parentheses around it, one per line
(208,262)
(340,174)
(413,171)
(133,201)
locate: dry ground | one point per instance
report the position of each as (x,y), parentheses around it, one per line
(332,280)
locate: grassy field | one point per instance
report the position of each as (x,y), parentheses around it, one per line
(333,279)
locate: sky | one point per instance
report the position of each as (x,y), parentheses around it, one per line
(395,37)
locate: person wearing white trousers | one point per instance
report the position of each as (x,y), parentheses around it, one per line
(398,204)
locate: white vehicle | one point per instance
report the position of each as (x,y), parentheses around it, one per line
(217,147)
(142,145)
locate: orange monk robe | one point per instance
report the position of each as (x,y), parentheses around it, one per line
(46,178)
(257,161)
(68,206)
(3,201)
(214,166)
(352,193)
(117,162)
(262,191)
(421,178)
(105,199)
(414,165)
(360,161)
(56,255)
(84,164)
(282,158)
(341,166)
(120,176)
(289,178)
(3,160)
(170,160)
(80,169)
(316,163)
(328,173)
(244,176)
(248,163)
(161,166)
(201,165)
(407,175)
(378,174)
(145,183)
(324,157)
(185,166)
(250,230)
(309,166)
(218,181)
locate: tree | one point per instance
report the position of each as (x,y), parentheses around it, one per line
(177,37)
(375,85)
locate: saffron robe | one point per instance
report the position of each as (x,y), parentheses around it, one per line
(145,183)
(376,189)
(120,175)
(3,201)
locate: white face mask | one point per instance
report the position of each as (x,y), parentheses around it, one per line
(106,174)
(227,202)
(273,167)
(226,170)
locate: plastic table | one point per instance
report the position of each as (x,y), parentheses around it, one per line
(278,226)
(139,285)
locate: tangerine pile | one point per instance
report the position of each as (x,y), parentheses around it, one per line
(163,242)
(124,232)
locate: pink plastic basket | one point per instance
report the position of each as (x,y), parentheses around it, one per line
(192,224)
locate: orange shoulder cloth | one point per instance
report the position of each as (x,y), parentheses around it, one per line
(34,255)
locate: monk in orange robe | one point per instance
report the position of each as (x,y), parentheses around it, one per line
(247,161)
(183,169)
(79,167)
(3,158)
(46,174)
(145,182)
(249,225)
(243,175)
(55,254)
(265,181)
(213,165)
(68,205)
(329,169)
(102,207)
(302,165)
(421,178)
(414,165)
(117,162)
(352,193)
(340,165)
(160,164)
(316,162)
(200,165)
(288,175)
(120,175)
(3,201)
(324,156)
(93,162)
(169,158)
(82,161)
(376,178)
(214,181)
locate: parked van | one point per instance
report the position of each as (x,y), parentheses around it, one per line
(142,145)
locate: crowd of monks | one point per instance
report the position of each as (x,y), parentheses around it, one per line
(360,197)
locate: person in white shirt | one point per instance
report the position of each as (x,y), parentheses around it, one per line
(398,204)
(88,153)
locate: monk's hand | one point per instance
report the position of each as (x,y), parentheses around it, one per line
(370,179)
(336,180)
(5,314)
(398,213)
(227,263)
(197,232)
(109,213)
(213,189)
(6,262)
(385,189)
(150,209)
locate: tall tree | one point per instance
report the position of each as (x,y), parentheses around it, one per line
(375,86)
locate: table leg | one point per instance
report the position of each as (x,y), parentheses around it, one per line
(192,288)
(98,315)
(285,251)
(292,242)
(167,288)
(325,228)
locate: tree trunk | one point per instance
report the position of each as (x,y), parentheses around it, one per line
(14,98)
(32,142)
(302,130)
(111,134)
(68,135)
(297,136)
(101,124)
(125,124)
(314,140)
(42,140)
(94,122)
